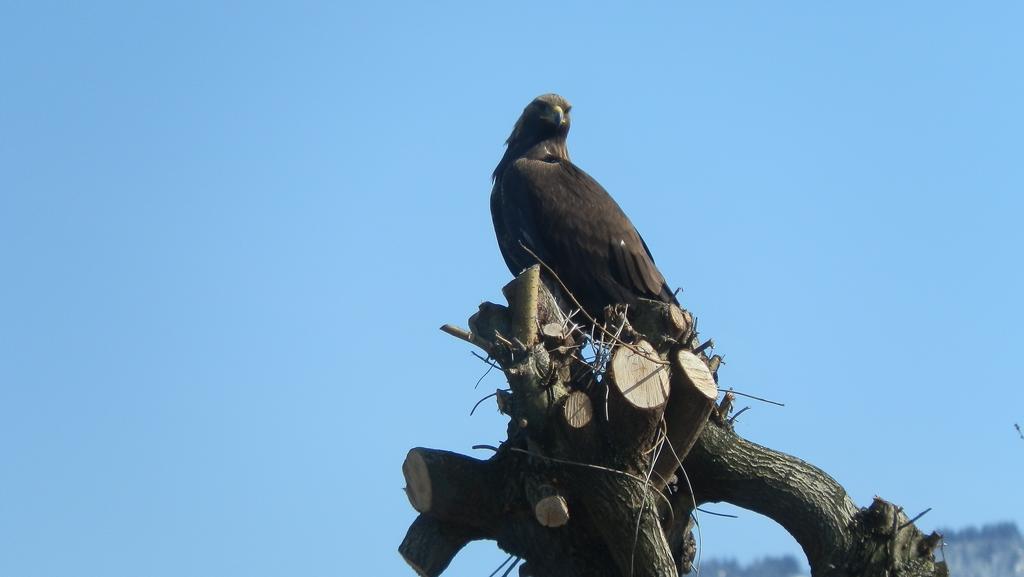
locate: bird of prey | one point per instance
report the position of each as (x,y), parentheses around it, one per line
(543,202)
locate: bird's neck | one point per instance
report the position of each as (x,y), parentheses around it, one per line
(553,148)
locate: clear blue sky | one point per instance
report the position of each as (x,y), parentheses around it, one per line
(229,232)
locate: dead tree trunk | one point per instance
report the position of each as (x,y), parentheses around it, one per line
(585,484)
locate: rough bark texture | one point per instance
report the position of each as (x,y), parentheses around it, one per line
(583,486)
(839,538)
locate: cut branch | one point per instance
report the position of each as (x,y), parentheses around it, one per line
(640,380)
(452,487)
(467,336)
(549,507)
(639,387)
(524,303)
(578,411)
(430,545)
(692,399)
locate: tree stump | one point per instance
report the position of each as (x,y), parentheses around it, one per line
(583,486)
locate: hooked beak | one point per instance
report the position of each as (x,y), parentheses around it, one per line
(557,116)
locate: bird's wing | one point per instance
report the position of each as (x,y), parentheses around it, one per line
(515,226)
(580,227)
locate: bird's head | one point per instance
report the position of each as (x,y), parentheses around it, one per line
(545,117)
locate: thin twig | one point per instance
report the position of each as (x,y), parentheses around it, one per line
(502,566)
(729,515)
(491,447)
(511,567)
(607,393)
(912,521)
(749,396)
(486,360)
(499,337)
(708,344)
(568,319)
(700,540)
(490,367)
(586,466)
(732,419)
(471,411)
(579,464)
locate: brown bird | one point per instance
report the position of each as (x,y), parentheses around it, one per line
(543,202)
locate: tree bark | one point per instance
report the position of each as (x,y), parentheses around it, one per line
(839,538)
